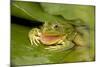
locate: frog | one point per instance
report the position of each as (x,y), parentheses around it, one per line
(55,36)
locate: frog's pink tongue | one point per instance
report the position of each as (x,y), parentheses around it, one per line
(50,39)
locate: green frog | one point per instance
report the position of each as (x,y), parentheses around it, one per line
(55,36)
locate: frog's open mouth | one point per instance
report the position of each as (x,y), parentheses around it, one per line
(49,39)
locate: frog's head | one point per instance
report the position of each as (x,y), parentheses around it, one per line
(52,32)
(51,28)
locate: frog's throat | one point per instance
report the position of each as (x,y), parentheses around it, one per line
(50,39)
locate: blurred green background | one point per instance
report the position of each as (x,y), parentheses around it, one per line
(26,15)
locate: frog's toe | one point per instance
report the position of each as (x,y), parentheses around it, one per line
(51,48)
(35,43)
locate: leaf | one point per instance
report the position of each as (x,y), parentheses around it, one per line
(30,11)
(22,53)
(78,54)
(70,11)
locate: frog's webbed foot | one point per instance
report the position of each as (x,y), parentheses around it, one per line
(34,36)
(62,46)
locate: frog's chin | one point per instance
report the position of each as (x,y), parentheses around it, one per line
(50,39)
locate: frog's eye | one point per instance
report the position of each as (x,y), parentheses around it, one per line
(56,26)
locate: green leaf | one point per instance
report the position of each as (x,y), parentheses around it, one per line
(70,11)
(30,11)
(78,54)
(22,53)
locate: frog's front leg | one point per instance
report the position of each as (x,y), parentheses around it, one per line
(34,36)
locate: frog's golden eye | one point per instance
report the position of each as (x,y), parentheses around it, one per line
(56,26)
